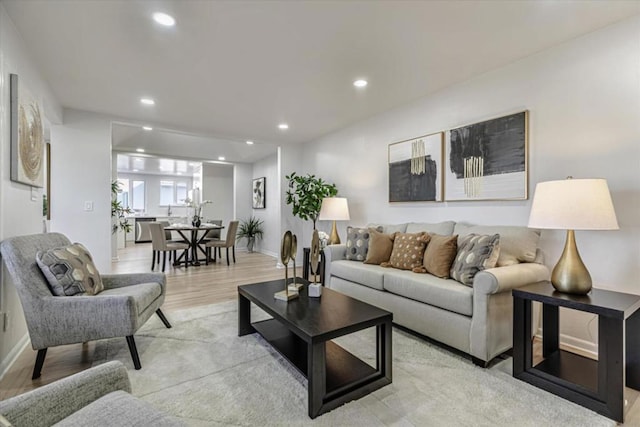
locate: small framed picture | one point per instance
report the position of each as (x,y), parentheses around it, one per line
(259,193)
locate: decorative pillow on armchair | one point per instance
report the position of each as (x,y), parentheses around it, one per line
(408,250)
(70,270)
(380,247)
(358,242)
(476,252)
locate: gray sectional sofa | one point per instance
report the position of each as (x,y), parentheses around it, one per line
(474,319)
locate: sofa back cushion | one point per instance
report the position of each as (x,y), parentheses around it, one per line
(517,244)
(358,243)
(444,228)
(476,252)
(380,247)
(408,250)
(390,228)
(439,255)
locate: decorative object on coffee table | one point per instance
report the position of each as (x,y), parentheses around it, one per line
(285,256)
(334,209)
(294,249)
(315,255)
(572,204)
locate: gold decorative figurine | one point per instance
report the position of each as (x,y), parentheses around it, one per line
(294,249)
(285,256)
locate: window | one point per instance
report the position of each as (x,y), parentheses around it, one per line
(123,195)
(137,193)
(181,192)
(172,192)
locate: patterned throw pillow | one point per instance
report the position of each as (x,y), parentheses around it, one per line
(70,270)
(358,242)
(476,252)
(380,247)
(408,250)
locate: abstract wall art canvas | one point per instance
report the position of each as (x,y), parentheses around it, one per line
(415,169)
(27,136)
(488,160)
(259,193)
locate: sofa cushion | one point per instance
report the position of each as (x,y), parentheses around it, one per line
(476,252)
(408,250)
(70,270)
(357,243)
(439,255)
(444,228)
(446,294)
(517,244)
(367,275)
(119,409)
(380,247)
(143,294)
(390,228)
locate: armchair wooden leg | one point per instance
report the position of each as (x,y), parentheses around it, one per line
(164,319)
(134,352)
(39,362)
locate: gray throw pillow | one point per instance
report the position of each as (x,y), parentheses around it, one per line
(476,252)
(70,270)
(358,242)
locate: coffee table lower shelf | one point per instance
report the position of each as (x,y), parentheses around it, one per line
(344,371)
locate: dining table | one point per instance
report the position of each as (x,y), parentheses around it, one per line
(191,235)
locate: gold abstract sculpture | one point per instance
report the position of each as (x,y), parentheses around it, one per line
(285,256)
(294,249)
(315,255)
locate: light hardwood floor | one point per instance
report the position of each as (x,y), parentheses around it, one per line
(191,287)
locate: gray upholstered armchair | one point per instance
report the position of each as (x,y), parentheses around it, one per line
(125,304)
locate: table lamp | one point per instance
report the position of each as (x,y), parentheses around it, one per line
(334,209)
(572,204)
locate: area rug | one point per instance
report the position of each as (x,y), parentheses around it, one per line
(203,373)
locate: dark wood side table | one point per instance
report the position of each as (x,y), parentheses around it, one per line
(306,265)
(595,384)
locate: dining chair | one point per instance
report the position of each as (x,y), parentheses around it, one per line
(214,234)
(228,242)
(159,244)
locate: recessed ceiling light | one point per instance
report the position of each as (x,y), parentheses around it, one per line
(147,128)
(147,101)
(249,142)
(360,83)
(140,150)
(283,126)
(221,158)
(164,19)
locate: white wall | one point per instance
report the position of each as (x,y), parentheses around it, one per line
(81,172)
(268,168)
(19,214)
(217,186)
(584,102)
(242,201)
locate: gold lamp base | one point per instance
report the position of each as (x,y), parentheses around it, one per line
(570,274)
(334,239)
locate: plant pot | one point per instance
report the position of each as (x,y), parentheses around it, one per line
(196,221)
(250,242)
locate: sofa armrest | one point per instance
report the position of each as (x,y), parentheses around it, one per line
(54,402)
(502,279)
(332,253)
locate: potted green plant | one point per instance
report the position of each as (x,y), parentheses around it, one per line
(118,211)
(250,229)
(305,193)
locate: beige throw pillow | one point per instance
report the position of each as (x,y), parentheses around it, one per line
(380,247)
(408,250)
(439,255)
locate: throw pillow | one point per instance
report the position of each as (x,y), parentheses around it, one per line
(476,252)
(439,255)
(380,247)
(70,270)
(358,243)
(408,250)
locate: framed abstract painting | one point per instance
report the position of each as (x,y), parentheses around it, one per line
(27,136)
(415,169)
(488,160)
(259,193)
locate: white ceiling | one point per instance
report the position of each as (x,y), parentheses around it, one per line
(235,69)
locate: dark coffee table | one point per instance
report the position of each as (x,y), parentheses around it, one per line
(302,329)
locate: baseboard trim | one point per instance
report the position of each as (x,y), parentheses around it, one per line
(6,364)
(575,345)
